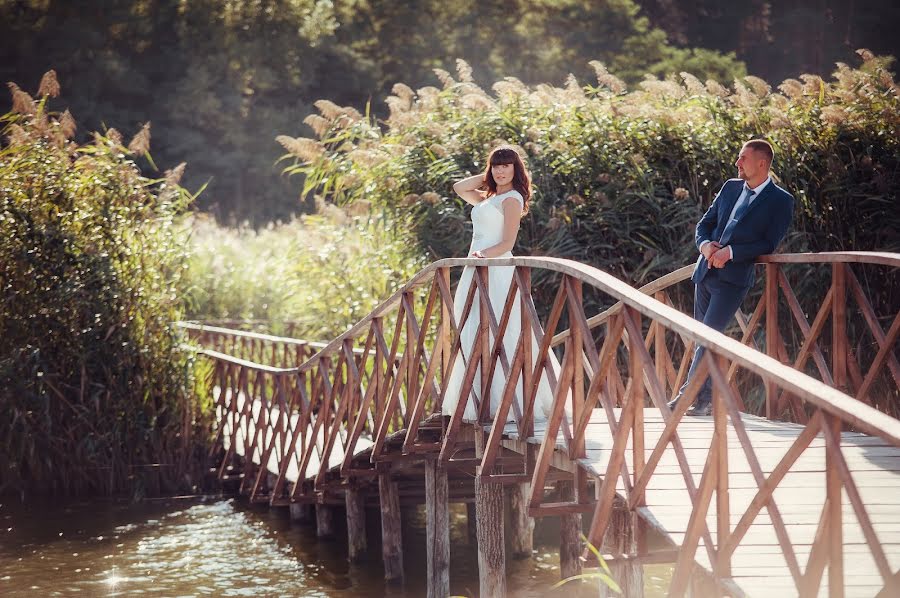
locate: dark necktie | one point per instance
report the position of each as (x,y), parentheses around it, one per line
(738,214)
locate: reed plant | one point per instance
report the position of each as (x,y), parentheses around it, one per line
(95,390)
(622,175)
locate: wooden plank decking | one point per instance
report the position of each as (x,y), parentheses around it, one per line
(759,566)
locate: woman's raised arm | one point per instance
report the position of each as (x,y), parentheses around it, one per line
(470,189)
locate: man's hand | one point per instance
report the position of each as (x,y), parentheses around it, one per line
(720,257)
(709,249)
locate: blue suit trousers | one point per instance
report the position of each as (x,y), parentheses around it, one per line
(715,303)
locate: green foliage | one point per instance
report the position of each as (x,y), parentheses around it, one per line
(320,273)
(94,386)
(621,177)
(217,78)
(603,577)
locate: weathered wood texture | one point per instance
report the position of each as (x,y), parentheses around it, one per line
(356,524)
(521,523)
(437,531)
(391,539)
(491,550)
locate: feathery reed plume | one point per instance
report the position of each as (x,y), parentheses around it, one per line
(304,148)
(17,135)
(431,198)
(140,143)
(464,71)
(508,88)
(865,54)
(403,91)
(445,78)
(22,102)
(67,124)
(693,84)
(682,194)
(777,118)
(317,123)
(742,95)
(41,124)
(438,150)
(352,113)
(717,89)
(173,176)
(834,115)
(113,135)
(573,87)
(397,105)
(791,88)
(476,101)
(428,92)
(49,85)
(329,109)
(812,84)
(607,79)
(759,87)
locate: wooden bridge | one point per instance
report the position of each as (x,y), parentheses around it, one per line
(801,499)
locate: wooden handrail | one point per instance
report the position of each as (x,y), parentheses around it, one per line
(391,387)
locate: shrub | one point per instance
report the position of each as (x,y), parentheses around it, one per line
(94,387)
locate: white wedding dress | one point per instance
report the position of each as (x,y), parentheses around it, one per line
(487,231)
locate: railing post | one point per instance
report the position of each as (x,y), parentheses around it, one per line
(720,439)
(833,493)
(771,292)
(839,326)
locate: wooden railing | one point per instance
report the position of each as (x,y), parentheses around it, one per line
(382,384)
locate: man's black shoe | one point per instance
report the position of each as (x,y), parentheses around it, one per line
(702,407)
(674,402)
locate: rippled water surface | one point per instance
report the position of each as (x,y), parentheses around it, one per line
(221,547)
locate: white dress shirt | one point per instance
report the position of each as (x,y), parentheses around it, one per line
(756,192)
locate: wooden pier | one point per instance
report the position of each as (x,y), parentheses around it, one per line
(800,500)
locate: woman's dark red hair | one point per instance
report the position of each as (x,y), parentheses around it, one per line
(506,154)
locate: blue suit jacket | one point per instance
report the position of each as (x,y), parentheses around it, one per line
(758,232)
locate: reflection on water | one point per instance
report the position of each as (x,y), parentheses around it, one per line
(221,547)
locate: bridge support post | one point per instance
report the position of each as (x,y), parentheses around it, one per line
(301,512)
(324,521)
(489,521)
(491,551)
(437,530)
(522,539)
(621,539)
(391,544)
(569,533)
(356,523)
(471,519)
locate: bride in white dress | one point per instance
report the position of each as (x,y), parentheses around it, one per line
(500,197)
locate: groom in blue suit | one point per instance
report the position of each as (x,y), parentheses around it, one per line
(748,218)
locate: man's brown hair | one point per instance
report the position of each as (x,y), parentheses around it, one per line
(763,147)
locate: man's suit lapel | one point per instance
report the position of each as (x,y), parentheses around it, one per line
(727,207)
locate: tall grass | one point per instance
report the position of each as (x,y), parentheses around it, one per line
(94,388)
(321,273)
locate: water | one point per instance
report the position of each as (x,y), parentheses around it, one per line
(222,547)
